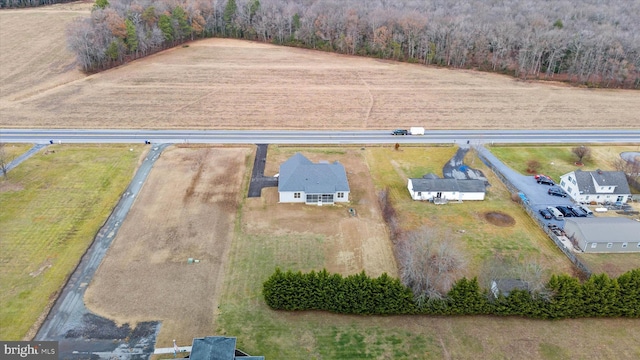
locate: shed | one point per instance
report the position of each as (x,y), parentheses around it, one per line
(504,287)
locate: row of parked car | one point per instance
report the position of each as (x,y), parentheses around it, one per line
(560,212)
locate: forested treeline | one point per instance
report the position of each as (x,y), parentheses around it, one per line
(594,42)
(563,296)
(29,3)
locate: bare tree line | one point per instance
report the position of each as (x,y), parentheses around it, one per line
(593,42)
(29,3)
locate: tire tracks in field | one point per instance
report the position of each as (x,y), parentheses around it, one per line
(371,100)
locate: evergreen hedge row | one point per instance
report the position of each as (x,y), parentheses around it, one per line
(600,296)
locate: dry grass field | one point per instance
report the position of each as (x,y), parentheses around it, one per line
(33,51)
(185,210)
(233,84)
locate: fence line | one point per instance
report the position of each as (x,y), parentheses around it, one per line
(568,253)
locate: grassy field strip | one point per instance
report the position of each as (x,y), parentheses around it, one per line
(52,206)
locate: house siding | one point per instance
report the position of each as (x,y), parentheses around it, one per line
(604,244)
(602,193)
(448,195)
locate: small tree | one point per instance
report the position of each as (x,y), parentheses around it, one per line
(4,160)
(533,166)
(581,152)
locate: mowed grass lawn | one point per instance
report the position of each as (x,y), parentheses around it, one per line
(481,241)
(51,207)
(320,335)
(12,151)
(559,160)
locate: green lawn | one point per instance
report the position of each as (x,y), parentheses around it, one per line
(319,335)
(481,241)
(11,151)
(52,205)
(559,160)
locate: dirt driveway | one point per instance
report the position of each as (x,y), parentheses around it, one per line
(186,209)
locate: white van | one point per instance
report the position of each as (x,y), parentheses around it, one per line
(585,208)
(555,212)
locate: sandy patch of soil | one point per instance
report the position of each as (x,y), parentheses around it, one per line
(354,243)
(499,219)
(186,209)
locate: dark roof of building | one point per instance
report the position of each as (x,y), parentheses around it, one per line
(299,174)
(430,176)
(217,348)
(506,286)
(605,229)
(585,181)
(448,185)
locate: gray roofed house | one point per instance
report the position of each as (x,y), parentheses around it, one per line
(448,189)
(504,287)
(596,186)
(604,234)
(303,181)
(218,348)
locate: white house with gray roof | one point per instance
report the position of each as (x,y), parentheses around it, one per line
(449,189)
(302,181)
(604,234)
(596,186)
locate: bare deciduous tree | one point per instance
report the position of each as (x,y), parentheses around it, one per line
(429,263)
(4,160)
(582,152)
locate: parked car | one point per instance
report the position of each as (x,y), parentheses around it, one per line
(545,214)
(555,212)
(566,212)
(400,132)
(556,191)
(585,209)
(577,211)
(544,179)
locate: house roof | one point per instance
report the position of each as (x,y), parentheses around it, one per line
(585,181)
(216,348)
(506,286)
(299,174)
(430,185)
(605,229)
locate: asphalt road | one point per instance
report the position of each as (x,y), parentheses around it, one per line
(41,136)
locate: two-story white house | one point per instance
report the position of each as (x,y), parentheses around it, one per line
(596,186)
(302,181)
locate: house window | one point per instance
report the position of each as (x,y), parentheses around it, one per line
(609,187)
(296,195)
(420,193)
(609,245)
(574,182)
(624,245)
(593,245)
(562,183)
(569,189)
(340,195)
(569,178)
(586,197)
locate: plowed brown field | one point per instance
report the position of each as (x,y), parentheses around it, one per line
(234,84)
